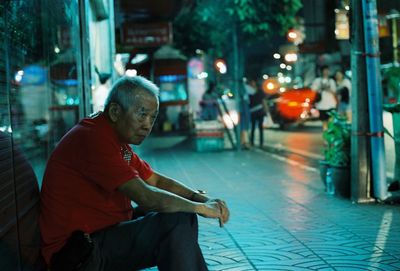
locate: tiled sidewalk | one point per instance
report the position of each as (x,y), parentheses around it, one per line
(280,217)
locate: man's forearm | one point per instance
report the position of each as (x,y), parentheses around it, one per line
(150,198)
(167,202)
(180,189)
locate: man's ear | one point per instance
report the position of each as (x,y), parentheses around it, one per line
(114,112)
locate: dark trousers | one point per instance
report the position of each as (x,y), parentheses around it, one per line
(168,241)
(257,121)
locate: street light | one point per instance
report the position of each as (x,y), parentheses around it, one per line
(277,56)
(270,86)
(291,57)
(220,66)
(292,35)
(296,36)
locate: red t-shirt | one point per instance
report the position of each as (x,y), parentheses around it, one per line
(79,190)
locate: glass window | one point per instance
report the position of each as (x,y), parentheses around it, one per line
(172,88)
(44,62)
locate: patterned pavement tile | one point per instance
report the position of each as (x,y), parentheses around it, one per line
(215,258)
(281,219)
(253,224)
(263,241)
(309,226)
(322,237)
(327,250)
(350,265)
(269,255)
(395,264)
(374,257)
(295,265)
(232,267)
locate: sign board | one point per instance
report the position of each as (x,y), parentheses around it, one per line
(342,28)
(146,34)
(383,24)
(288,48)
(312,48)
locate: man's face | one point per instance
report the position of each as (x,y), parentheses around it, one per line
(325,73)
(339,76)
(134,125)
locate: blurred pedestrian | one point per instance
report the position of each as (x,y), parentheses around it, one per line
(258,110)
(326,91)
(247,90)
(87,221)
(209,103)
(343,86)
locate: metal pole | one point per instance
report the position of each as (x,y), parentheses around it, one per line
(236,85)
(84,72)
(395,41)
(371,39)
(394,15)
(360,147)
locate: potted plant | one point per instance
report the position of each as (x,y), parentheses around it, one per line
(336,164)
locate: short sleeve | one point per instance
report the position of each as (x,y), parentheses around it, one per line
(142,167)
(315,84)
(104,164)
(332,85)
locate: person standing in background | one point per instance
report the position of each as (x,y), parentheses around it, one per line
(209,103)
(258,110)
(343,86)
(248,89)
(326,87)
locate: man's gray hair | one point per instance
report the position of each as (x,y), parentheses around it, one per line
(126,90)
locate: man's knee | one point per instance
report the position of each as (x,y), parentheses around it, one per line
(178,220)
(179,217)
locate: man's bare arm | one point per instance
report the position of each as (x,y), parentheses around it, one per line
(177,188)
(168,184)
(151,198)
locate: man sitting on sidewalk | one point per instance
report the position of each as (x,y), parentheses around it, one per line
(90,180)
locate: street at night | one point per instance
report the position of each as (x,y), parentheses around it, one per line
(304,143)
(195,135)
(282,218)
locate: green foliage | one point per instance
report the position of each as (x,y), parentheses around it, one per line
(194,29)
(392,75)
(392,108)
(337,140)
(210,23)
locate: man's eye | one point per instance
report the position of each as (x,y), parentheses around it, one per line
(141,115)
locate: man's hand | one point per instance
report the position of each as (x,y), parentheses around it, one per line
(224,212)
(210,210)
(216,208)
(152,198)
